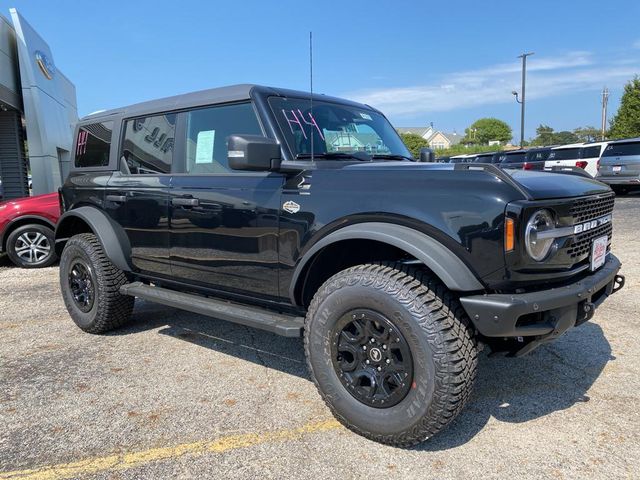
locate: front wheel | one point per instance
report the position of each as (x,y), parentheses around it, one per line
(90,286)
(391,352)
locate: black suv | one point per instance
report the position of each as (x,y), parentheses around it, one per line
(306,216)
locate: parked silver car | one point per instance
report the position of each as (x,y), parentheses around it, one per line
(619,165)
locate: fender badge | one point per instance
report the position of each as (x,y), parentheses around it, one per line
(291,207)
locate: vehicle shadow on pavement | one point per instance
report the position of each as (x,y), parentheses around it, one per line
(552,378)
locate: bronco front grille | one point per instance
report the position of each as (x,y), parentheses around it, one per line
(582,243)
(591,207)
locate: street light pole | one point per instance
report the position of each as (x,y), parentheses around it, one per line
(522,99)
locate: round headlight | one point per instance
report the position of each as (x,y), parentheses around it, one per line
(538,248)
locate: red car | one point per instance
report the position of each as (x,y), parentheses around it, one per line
(26,230)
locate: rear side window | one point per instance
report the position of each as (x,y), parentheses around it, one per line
(591,152)
(147,146)
(565,154)
(513,158)
(93,145)
(622,149)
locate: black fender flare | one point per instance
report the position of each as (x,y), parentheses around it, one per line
(112,236)
(449,268)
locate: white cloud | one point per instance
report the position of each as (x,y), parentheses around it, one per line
(546,77)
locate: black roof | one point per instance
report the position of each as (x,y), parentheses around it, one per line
(232,93)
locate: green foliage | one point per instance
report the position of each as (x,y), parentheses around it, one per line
(482,131)
(626,122)
(545,135)
(463,149)
(587,134)
(414,143)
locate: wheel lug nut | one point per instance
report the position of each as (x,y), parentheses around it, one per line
(364,347)
(397,340)
(384,347)
(388,361)
(373,340)
(367,362)
(379,369)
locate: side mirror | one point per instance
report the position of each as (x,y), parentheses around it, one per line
(427,155)
(253,152)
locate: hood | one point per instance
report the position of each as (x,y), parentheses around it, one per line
(35,200)
(538,185)
(545,185)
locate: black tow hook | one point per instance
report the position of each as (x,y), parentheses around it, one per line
(618,283)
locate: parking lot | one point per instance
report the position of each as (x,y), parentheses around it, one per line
(179,395)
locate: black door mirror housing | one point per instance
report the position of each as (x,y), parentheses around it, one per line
(253,152)
(427,155)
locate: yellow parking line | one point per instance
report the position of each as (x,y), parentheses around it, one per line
(135,459)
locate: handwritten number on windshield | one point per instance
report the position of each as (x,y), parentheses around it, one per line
(299,119)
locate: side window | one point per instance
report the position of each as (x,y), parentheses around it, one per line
(207,132)
(93,145)
(147,146)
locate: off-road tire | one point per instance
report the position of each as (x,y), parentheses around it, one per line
(13,240)
(442,344)
(109,309)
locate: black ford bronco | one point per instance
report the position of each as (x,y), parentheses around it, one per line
(306,216)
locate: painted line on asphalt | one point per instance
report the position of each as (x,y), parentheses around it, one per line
(135,459)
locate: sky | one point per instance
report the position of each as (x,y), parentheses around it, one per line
(449,63)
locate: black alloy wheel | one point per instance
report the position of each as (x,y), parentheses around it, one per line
(372,358)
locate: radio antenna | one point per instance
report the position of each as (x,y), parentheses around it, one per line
(311,85)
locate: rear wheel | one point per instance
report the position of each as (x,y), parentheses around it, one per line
(90,286)
(391,352)
(620,190)
(31,246)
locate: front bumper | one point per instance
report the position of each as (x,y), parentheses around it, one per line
(545,314)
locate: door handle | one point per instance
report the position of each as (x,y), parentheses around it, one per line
(116,198)
(185,202)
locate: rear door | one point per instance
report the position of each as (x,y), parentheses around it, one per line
(224,223)
(621,160)
(137,195)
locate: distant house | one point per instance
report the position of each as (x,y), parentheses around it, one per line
(422,131)
(437,140)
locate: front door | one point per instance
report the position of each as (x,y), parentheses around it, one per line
(224,223)
(137,196)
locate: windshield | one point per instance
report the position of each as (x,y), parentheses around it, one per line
(565,154)
(622,149)
(334,128)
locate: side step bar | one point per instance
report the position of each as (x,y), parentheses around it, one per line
(280,324)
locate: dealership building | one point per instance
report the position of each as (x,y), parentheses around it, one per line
(37,112)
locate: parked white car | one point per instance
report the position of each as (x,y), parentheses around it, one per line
(583,155)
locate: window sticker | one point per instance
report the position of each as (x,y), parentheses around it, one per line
(366,116)
(204,146)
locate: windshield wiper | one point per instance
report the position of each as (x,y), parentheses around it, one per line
(392,156)
(362,156)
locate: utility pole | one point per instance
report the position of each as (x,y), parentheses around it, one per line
(522,102)
(605,100)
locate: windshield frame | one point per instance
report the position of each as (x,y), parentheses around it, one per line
(292,151)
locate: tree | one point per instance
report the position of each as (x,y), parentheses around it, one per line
(626,122)
(544,135)
(414,143)
(482,131)
(587,134)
